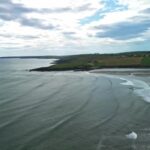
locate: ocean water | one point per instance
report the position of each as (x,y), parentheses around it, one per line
(71,110)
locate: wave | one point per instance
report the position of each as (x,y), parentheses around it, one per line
(140,87)
(127,82)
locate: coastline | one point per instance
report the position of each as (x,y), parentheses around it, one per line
(124,71)
(98,61)
(101,70)
(72,105)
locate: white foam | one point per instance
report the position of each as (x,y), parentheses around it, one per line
(145,93)
(132,136)
(127,82)
(141,88)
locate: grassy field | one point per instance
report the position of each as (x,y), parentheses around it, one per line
(97,61)
(146,61)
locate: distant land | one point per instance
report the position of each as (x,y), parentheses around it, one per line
(87,62)
(31,57)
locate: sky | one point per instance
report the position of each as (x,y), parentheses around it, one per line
(66,27)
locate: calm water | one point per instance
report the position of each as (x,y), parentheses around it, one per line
(71,111)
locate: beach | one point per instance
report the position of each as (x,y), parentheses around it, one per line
(99,110)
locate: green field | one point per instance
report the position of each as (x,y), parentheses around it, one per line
(97,61)
(146,61)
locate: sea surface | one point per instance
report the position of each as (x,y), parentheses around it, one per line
(72,110)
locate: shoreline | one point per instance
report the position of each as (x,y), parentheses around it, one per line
(97,70)
(110,71)
(124,71)
(98,61)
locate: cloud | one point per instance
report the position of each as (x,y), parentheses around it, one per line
(146,11)
(70,35)
(68,24)
(123,30)
(18,36)
(124,25)
(36,23)
(77,9)
(15,11)
(12,11)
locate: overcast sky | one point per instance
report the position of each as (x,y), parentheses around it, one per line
(60,27)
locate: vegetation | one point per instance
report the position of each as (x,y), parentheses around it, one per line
(97,61)
(146,61)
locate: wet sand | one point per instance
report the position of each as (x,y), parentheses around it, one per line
(73,110)
(124,71)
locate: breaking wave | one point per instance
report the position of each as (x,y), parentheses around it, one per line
(140,87)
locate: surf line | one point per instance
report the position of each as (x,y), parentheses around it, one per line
(139,87)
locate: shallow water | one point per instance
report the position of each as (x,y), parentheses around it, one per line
(71,110)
